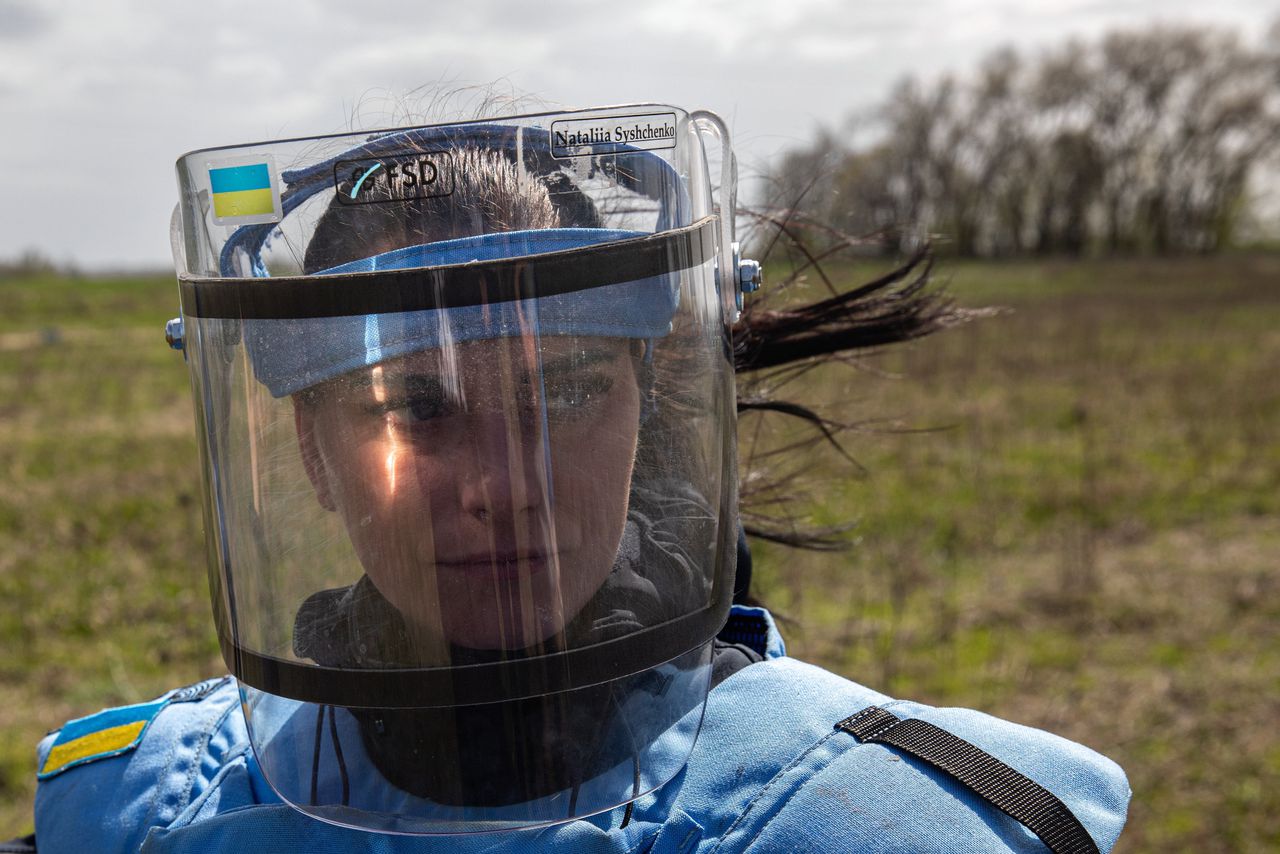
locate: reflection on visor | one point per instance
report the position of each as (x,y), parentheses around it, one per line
(465,456)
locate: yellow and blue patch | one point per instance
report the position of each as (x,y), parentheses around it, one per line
(244,193)
(99,736)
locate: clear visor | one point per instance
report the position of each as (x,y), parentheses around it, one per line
(466,410)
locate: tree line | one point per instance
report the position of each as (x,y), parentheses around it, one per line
(1141,141)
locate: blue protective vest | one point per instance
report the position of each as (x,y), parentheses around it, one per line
(770,772)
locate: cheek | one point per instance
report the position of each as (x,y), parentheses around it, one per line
(592,469)
(595,482)
(380,490)
(361,480)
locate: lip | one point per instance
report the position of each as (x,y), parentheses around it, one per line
(506,566)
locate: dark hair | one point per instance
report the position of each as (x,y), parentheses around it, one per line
(490,193)
(782,337)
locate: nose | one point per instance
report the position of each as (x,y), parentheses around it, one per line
(501,480)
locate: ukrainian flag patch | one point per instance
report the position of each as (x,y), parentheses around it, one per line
(244,191)
(99,736)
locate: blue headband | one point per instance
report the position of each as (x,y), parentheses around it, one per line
(290,355)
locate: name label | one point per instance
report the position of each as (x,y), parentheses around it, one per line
(613,134)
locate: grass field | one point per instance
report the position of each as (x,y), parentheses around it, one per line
(1085,539)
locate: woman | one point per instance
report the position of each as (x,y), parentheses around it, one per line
(466,400)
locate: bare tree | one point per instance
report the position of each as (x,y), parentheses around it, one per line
(1142,141)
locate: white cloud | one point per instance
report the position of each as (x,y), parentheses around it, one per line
(97,100)
(22,20)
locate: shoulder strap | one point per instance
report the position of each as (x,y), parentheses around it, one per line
(1004,788)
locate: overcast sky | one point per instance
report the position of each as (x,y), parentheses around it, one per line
(99,97)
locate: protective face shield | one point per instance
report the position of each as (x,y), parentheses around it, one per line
(466,406)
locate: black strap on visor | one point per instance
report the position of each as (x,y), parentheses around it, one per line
(452,285)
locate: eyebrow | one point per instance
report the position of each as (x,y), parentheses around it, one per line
(584,359)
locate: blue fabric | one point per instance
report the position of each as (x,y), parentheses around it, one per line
(292,354)
(110,805)
(769,773)
(483,247)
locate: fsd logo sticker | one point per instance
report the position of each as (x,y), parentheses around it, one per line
(393,178)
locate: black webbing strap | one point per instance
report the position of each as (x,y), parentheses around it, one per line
(25,845)
(1004,788)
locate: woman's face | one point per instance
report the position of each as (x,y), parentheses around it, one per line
(484,487)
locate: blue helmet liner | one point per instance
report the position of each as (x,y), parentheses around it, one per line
(303,330)
(289,355)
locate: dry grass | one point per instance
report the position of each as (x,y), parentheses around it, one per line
(1088,545)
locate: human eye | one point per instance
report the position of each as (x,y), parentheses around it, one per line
(420,401)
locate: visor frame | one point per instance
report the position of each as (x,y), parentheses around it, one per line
(674,247)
